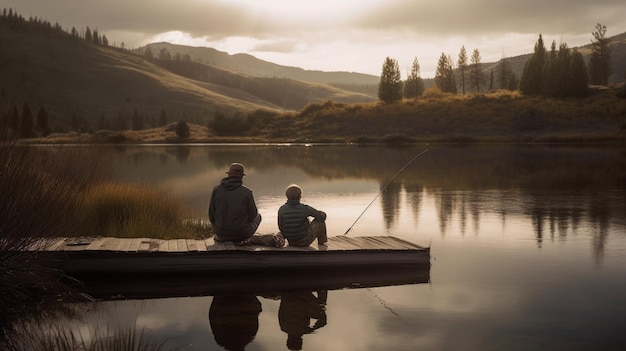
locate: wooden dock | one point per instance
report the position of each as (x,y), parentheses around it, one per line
(146,267)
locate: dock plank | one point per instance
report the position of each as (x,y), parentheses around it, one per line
(134,244)
(106,244)
(172,245)
(182,245)
(224,245)
(201,245)
(210,244)
(342,243)
(95,244)
(124,244)
(192,245)
(150,245)
(55,244)
(163,246)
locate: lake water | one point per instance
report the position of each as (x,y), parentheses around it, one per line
(528,246)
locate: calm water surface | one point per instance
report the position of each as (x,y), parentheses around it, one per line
(528,246)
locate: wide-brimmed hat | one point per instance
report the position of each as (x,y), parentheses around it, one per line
(236,169)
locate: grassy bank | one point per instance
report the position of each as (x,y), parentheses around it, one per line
(436,117)
(56,192)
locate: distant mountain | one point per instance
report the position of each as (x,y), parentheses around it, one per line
(250,65)
(356,82)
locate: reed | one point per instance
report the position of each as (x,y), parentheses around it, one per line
(135,210)
(56,338)
(38,193)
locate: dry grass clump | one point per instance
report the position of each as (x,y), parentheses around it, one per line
(46,336)
(134,210)
(38,193)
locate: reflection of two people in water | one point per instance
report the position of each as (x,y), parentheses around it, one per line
(234,319)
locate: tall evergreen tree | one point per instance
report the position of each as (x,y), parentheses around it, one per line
(13,122)
(137,121)
(42,122)
(444,75)
(461,65)
(26,122)
(414,85)
(532,76)
(503,69)
(390,86)
(75,122)
(477,77)
(162,118)
(88,36)
(600,62)
(182,129)
(550,81)
(579,77)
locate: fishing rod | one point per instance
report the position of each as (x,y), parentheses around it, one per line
(385,188)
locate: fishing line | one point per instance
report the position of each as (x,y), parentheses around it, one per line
(385,188)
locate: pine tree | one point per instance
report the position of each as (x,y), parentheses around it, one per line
(13,122)
(444,76)
(503,69)
(414,85)
(88,36)
(462,67)
(549,86)
(476,74)
(600,62)
(42,122)
(579,77)
(532,77)
(137,121)
(390,86)
(163,118)
(182,129)
(26,122)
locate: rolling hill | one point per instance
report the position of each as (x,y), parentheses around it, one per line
(74,79)
(250,65)
(82,83)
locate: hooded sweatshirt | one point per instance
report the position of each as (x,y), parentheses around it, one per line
(232,209)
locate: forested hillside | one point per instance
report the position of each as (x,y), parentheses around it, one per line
(77,82)
(59,80)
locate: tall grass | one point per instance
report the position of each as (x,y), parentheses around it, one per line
(38,193)
(134,210)
(57,192)
(44,337)
(129,339)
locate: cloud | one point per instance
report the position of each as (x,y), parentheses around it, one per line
(351,35)
(213,19)
(283,46)
(480,17)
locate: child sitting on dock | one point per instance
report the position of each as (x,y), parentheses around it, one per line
(293,220)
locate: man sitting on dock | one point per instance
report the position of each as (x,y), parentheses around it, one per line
(233,212)
(293,220)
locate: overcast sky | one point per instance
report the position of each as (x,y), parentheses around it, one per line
(340,35)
